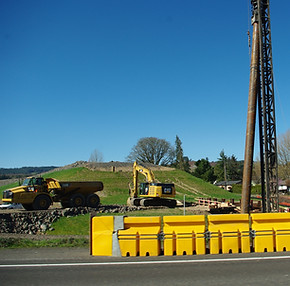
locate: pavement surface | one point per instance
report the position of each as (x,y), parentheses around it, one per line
(75,266)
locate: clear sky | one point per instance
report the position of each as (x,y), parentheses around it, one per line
(100,74)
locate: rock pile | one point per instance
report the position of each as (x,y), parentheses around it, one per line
(37,222)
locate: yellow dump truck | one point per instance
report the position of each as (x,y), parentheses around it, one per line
(37,193)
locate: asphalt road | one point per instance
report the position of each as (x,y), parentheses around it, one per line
(74,266)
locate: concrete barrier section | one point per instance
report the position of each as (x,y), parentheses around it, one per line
(184,235)
(140,236)
(282,229)
(271,232)
(229,233)
(102,235)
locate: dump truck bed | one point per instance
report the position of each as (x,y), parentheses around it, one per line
(83,187)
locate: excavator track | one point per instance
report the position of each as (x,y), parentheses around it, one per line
(152,202)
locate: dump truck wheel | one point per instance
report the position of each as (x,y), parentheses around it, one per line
(28,207)
(93,200)
(41,202)
(77,200)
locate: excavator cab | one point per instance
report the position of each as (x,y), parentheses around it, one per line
(144,189)
(156,189)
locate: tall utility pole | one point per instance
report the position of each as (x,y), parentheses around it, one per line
(261,94)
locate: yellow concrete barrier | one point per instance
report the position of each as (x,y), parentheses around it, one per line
(187,235)
(282,228)
(229,233)
(101,235)
(264,235)
(184,235)
(140,236)
(272,232)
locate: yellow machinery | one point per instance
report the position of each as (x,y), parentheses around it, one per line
(151,192)
(39,193)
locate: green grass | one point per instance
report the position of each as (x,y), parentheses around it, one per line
(255,190)
(26,243)
(115,184)
(193,187)
(78,225)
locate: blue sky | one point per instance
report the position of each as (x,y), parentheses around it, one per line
(82,75)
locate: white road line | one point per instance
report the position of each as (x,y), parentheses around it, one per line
(144,262)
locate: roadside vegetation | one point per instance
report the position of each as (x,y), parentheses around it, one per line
(15,242)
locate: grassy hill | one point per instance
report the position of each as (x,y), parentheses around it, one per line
(116,184)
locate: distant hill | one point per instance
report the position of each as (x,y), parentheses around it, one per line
(10,173)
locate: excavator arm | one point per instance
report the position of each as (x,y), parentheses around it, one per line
(150,178)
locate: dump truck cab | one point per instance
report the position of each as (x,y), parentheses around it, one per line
(35,184)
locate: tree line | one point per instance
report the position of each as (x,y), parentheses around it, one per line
(160,152)
(9,173)
(226,168)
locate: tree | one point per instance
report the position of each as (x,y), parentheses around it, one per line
(228,168)
(284,155)
(220,167)
(234,168)
(186,165)
(152,150)
(181,162)
(204,170)
(96,156)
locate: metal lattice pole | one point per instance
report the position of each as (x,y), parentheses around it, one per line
(267,110)
(261,90)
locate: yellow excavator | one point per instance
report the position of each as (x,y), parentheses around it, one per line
(151,192)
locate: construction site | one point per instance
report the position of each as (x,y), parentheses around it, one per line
(184,220)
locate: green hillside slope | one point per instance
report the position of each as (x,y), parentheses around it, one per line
(116,184)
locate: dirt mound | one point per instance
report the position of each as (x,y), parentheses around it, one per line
(113,166)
